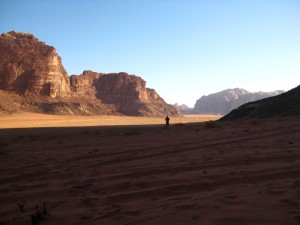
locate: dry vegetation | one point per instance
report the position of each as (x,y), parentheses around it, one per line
(26,120)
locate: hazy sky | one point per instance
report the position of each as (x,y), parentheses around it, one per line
(183,48)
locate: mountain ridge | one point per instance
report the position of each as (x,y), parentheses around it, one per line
(225,101)
(285,104)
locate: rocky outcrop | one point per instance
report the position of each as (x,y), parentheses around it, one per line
(184,109)
(286,104)
(34,70)
(28,65)
(84,85)
(127,93)
(10,102)
(225,101)
(121,87)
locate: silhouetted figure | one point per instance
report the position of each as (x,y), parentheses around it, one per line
(167,121)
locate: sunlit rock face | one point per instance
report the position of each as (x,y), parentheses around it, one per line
(83,85)
(128,93)
(33,70)
(123,87)
(184,109)
(225,101)
(28,65)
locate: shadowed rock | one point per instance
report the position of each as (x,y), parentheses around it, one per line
(225,101)
(286,104)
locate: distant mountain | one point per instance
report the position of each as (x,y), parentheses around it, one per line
(225,101)
(286,104)
(183,109)
(32,78)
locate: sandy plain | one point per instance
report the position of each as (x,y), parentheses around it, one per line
(26,120)
(200,173)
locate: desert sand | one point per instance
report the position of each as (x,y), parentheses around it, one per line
(201,173)
(26,120)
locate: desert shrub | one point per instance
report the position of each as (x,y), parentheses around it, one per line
(41,212)
(35,215)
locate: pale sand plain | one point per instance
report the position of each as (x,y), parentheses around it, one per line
(221,174)
(26,120)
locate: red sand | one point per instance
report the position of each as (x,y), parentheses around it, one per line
(247,173)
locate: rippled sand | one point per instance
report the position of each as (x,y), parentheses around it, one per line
(231,174)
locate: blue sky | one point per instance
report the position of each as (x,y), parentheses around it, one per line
(183,48)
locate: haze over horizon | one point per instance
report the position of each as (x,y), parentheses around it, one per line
(183,49)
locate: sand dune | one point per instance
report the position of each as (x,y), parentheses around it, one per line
(246,173)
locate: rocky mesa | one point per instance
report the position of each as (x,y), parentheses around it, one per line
(34,72)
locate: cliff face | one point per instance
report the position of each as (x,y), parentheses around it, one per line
(285,104)
(128,93)
(28,65)
(225,101)
(184,109)
(118,87)
(84,85)
(34,70)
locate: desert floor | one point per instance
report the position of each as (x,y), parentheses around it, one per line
(202,173)
(25,120)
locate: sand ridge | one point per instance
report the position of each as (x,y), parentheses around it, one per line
(242,173)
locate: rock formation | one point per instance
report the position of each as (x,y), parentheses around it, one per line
(285,104)
(184,109)
(84,85)
(127,93)
(34,71)
(225,101)
(28,65)
(130,94)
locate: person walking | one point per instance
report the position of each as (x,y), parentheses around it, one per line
(167,121)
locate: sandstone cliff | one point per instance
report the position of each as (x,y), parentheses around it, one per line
(34,71)
(225,101)
(127,93)
(84,85)
(28,65)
